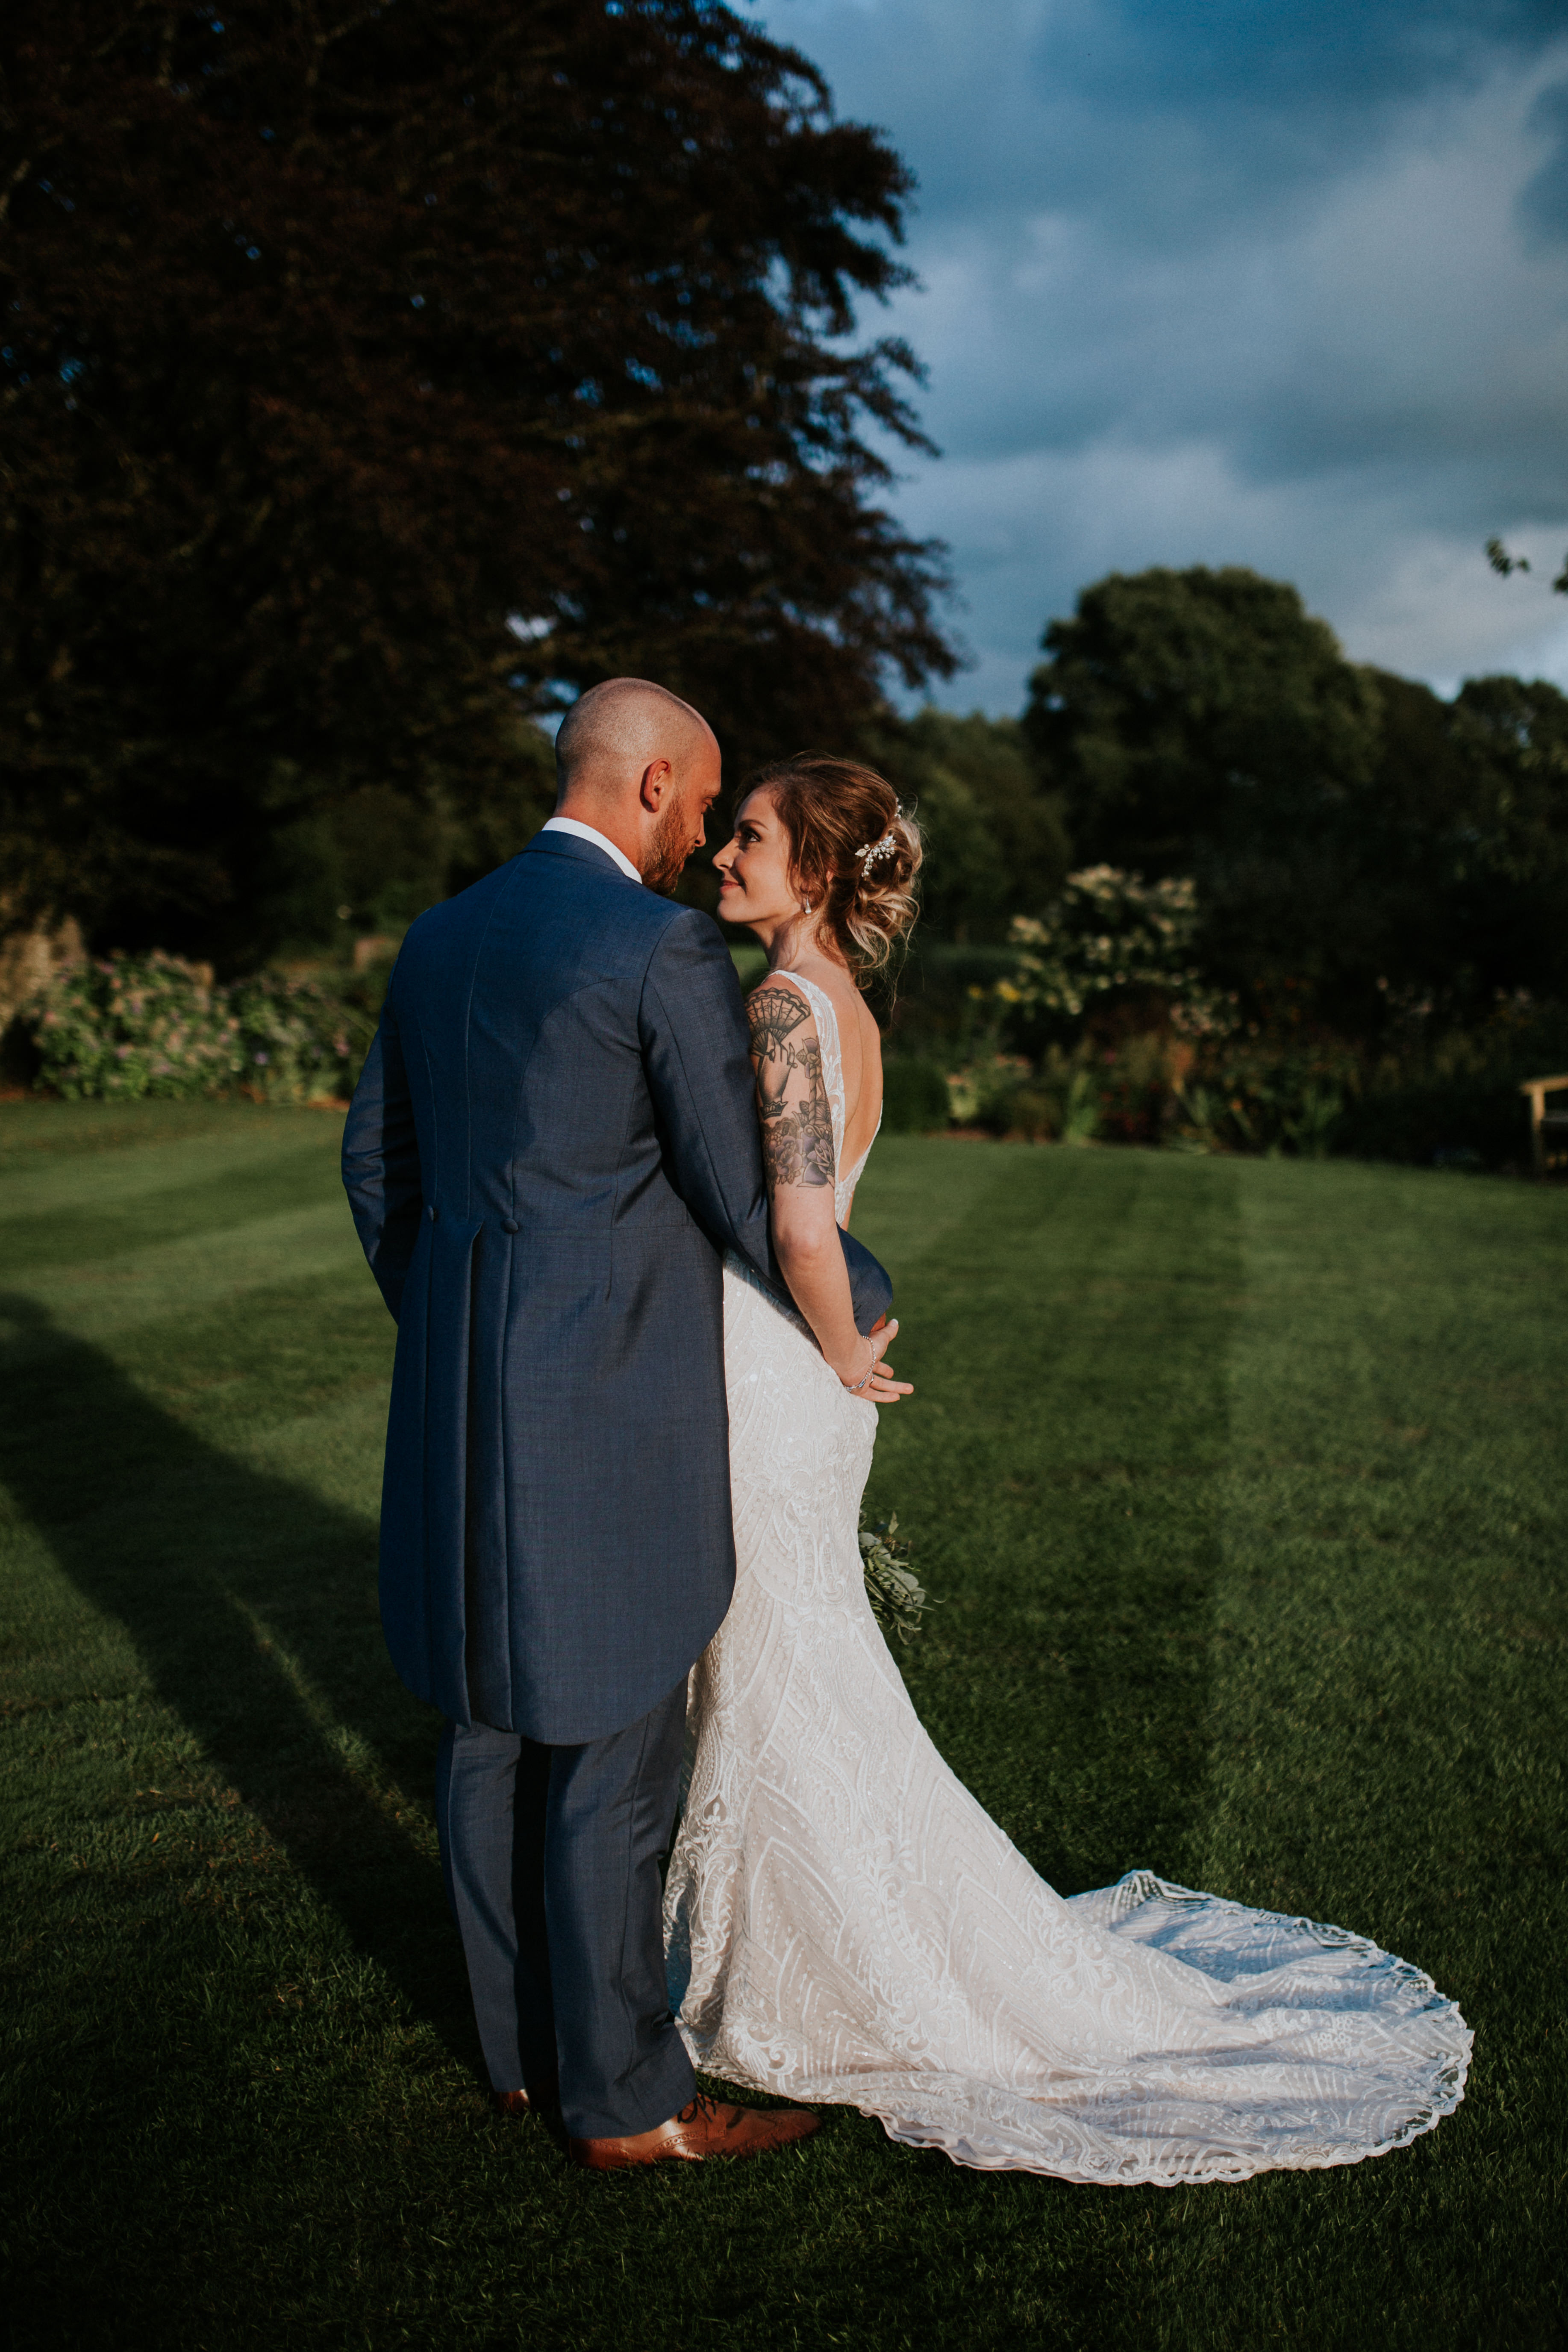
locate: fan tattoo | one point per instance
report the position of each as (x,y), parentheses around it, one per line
(797,1126)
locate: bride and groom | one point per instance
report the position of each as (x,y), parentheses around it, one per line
(638,1361)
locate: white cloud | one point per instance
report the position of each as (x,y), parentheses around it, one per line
(1348,378)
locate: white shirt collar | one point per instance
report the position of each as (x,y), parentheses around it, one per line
(585,833)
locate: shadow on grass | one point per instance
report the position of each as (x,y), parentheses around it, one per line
(251,1603)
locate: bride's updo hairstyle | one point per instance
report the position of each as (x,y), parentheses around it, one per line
(853,852)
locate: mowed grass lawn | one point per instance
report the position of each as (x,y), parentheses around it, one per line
(1243,1485)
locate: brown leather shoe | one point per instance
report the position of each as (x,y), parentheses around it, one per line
(704,2129)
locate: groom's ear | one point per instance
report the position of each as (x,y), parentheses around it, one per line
(657,779)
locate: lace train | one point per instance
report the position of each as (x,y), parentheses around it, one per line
(846,1923)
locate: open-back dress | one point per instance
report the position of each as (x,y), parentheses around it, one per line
(847,1924)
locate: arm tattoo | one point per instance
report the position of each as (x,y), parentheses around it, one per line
(773,1012)
(797,1138)
(797,1126)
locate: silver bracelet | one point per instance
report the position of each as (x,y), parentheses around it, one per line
(869,1370)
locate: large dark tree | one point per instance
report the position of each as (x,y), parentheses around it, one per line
(337,336)
(1182,708)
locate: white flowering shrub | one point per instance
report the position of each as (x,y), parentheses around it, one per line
(1112,930)
(123,1026)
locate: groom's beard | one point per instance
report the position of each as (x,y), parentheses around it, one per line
(669,850)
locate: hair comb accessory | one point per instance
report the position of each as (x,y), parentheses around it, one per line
(870,852)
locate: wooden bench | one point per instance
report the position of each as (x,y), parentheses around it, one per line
(1548,1129)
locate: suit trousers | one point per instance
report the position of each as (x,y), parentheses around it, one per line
(551,1861)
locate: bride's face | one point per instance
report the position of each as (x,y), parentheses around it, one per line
(755,884)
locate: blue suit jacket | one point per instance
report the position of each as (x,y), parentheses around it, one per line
(553,1143)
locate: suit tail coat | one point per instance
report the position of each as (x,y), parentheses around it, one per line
(551,1147)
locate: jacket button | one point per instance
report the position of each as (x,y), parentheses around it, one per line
(509,1224)
(430,1212)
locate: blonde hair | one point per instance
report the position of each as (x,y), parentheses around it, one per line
(852,850)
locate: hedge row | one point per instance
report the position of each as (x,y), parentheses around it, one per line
(1240,1098)
(125,1025)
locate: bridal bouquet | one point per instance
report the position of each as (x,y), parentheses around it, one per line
(898,1599)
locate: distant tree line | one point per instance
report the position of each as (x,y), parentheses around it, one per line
(1359,845)
(375,377)
(1363,852)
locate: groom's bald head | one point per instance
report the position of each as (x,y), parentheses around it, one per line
(616,731)
(643,767)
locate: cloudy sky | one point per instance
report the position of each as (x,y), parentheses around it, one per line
(1274,282)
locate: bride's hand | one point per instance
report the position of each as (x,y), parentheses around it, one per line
(873,1379)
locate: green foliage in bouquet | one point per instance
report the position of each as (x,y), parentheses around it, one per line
(124,1026)
(897,1597)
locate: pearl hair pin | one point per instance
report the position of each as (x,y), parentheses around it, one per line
(871,851)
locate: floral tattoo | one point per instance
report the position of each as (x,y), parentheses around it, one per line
(791,1099)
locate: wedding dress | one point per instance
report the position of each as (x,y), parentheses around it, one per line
(846,1924)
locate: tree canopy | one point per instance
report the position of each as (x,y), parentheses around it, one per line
(367,369)
(1182,708)
(1355,840)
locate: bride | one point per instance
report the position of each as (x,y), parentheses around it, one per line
(844,1923)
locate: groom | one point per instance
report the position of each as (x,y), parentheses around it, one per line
(552,1146)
